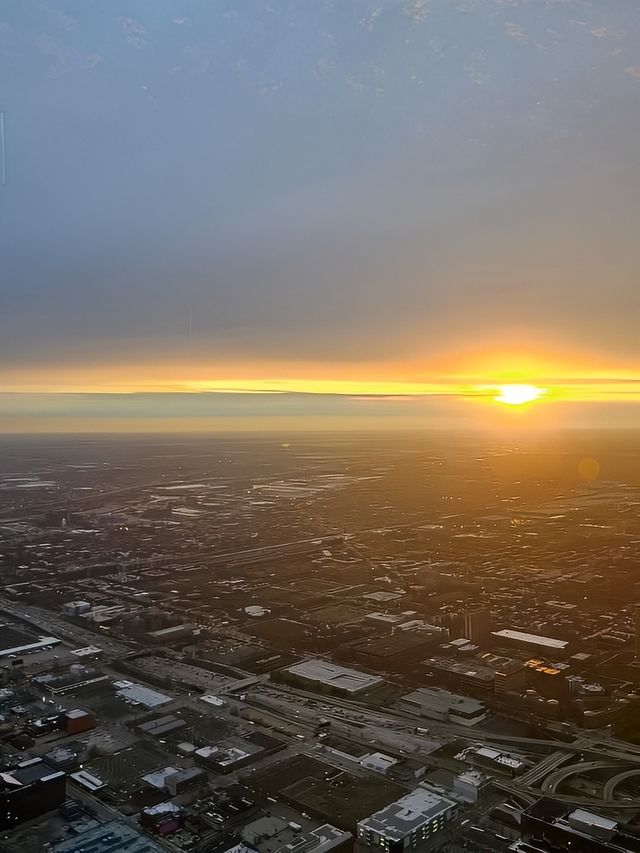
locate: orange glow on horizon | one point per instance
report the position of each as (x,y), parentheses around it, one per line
(484,377)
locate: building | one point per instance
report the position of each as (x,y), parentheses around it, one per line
(161,726)
(495,759)
(107,838)
(182,780)
(442,705)
(509,673)
(547,680)
(469,786)
(87,652)
(162,818)
(275,834)
(383,654)
(470,676)
(231,754)
(323,675)
(76,608)
(29,789)
(88,781)
(76,678)
(40,645)
(138,694)
(378,762)
(534,642)
(77,720)
(174,634)
(407,823)
(549,826)
(476,625)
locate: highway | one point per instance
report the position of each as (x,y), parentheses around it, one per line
(556,778)
(612,784)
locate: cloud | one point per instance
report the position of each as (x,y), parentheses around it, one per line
(633,71)
(134,32)
(465,6)
(63,60)
(515,32)
(90,60)
(607,32)
(369,21)
(416,9)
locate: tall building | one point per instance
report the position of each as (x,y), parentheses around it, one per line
(407,824)
(477,625)
(29,789)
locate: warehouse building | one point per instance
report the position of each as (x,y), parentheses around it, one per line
(323,675)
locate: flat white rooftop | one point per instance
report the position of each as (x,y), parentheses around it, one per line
(39,644)
(531,639)
(332,675)
(139,695)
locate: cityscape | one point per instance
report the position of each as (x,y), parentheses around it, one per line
(246,645)
(319,426)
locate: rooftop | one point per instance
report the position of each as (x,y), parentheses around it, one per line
(407,814)
(533,639)
(108,837)
(443,700)
(339,677)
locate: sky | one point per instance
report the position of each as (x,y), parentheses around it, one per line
(318,212)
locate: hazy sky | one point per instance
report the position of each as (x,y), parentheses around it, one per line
(397,190)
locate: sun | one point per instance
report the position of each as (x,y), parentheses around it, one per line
(516,395)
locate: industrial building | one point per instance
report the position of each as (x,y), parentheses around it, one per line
(439,704)
(173,634)
(534,642)
(275,834)
(322,674)
(407,823)
(39,645)
(76,608)
(549,826)
(107,838)
(235,752)
(469,786)
(76,678)
(29,789)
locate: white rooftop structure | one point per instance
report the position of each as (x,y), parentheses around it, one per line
(592,824)
(158,778)
(87,651)
(499,757)
(440,704)
(88,780)
(30,647)
(216,701)
(378,762)
(406,817)
(139,695)
(334,676)
(530,639)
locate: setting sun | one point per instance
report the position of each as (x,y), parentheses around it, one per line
(516,395)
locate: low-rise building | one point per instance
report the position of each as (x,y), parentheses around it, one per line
(323,675)
(28,789)
(408,823)
(437,704)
